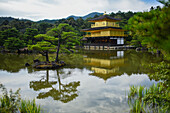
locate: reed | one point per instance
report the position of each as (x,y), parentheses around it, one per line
(27,106)
(9,102)
(12,103)
(154,99)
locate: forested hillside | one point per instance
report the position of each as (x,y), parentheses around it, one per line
(76,21)
(19,33)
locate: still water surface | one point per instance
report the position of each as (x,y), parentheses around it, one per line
(91,82)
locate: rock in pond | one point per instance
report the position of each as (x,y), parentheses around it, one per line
(27,64)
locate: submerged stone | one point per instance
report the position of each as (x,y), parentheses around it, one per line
(27,64)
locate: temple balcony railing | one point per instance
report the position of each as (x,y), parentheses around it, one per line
(99,35)
(102,44)
(115,25)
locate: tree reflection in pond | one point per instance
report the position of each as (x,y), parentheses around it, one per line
(65,92)
(38,85)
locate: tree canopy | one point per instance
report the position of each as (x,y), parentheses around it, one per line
(44,44)
(67,38)
(151,28)
(25,30)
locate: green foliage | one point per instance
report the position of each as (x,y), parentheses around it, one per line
(42,27)
(4,35)
(70,40)
(12,103)
(67,38)
(123,16)
(45,37)
(44,44)
(149,29)
(25,30)
(157,97)
(10,39)
(4,27)
(9,102)
(29,35)
(154,99)
(13,43)
(29,107)
(161,72)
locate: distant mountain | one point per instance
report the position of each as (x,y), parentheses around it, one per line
(6,18)
(75,17)
(90,15)
(25,20)
(2,19)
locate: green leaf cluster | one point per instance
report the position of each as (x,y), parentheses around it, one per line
(151,28)
(12,103)
(44,43)
(154,99)
(10,39)
(27,106)
(157,97)
(9,103)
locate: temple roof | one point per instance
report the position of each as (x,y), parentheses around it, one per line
(106,76)
(101,28)
(104,17)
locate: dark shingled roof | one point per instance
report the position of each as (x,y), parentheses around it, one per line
(98,28)
(104,17)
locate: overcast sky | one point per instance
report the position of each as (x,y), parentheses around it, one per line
(57,9)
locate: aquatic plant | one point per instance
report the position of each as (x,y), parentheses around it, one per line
(27,106)
(161,72)
(12,103)
(154,99)
(9,102)
(157,97)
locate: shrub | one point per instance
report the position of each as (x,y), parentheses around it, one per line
(154,99)
(12,103)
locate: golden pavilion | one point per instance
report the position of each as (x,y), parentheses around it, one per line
(104,33)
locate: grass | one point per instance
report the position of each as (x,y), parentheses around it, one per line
(27,106)
(12,103)
(154,99)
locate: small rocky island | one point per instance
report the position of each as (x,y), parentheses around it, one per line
(47,65)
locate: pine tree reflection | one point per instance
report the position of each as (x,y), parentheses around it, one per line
(38,85)
(64,93)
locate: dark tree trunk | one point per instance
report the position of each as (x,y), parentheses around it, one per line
(19,51)
(59,81)
(46,55)
(47,76)
(58,49)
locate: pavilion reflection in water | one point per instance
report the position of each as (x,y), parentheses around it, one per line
(106,67)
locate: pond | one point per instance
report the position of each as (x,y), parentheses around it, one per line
(91,82)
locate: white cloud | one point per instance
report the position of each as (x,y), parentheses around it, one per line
(55,9)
